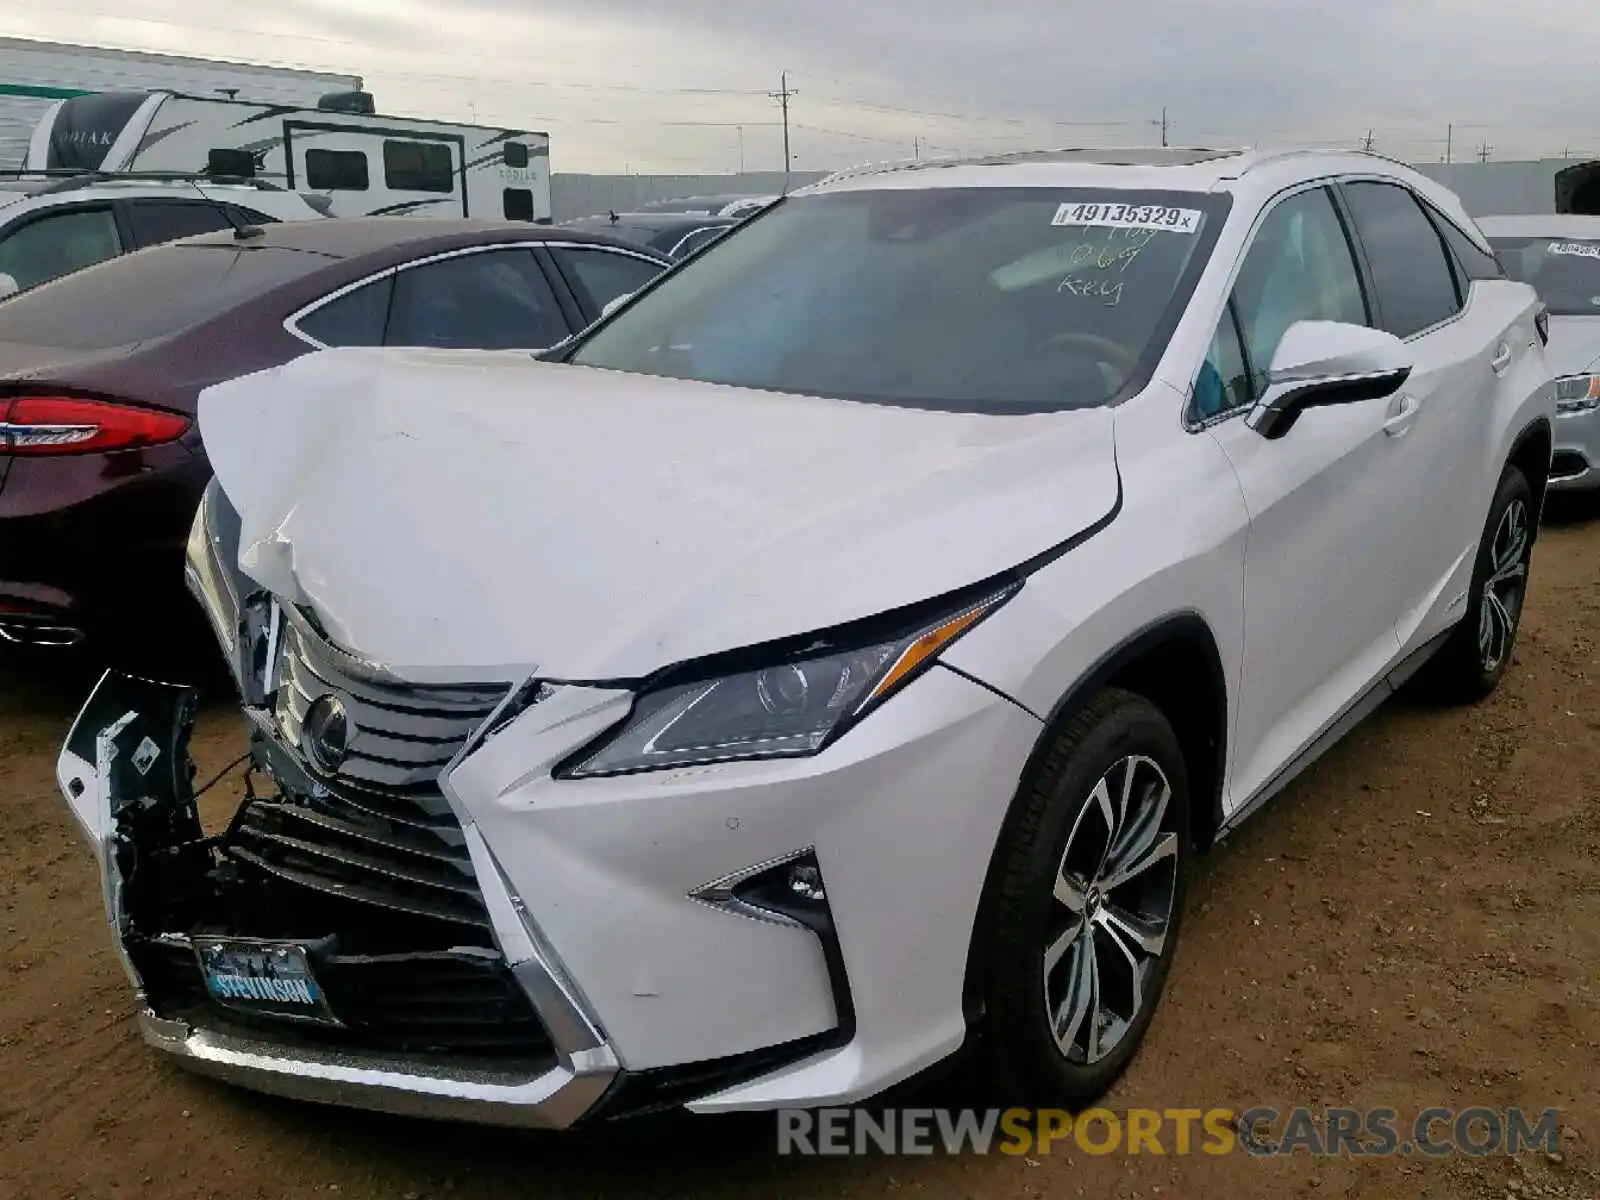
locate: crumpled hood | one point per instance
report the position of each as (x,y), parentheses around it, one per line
(485,515)
(1574,345)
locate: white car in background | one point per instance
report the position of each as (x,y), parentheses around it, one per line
(1560,257)
(52,224)
(838,657)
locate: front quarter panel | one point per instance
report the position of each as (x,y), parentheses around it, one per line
(1176,548)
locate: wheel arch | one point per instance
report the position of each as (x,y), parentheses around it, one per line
(1530,454)
(1174,662)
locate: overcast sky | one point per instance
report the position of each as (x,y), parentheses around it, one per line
(666,87)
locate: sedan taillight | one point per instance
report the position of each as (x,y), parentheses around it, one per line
(39,425)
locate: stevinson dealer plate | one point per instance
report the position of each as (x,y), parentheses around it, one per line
(269,979)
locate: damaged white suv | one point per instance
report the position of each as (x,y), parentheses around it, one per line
(836,656)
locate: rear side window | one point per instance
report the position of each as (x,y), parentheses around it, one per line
(337,170)
(356,318)
(157,221)
(491,300)
(418,167)
(1410,271)
(151,294)
(604,274)
(1475,263)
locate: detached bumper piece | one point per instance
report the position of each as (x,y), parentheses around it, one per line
(341,940)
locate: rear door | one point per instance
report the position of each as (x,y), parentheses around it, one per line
(1463,345)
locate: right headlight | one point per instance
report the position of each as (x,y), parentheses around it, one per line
(790,707)
(1577,394)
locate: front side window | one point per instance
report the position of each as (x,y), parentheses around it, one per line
(1410,272)
(1299,268)
(492,300)
(51,246)
(1564,271)
(981,299)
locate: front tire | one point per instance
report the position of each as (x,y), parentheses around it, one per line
(1090,880)
(1474,659)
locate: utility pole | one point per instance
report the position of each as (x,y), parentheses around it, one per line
(1162,124)
(740,128)
(916,148)
(782,97)
(1449,142)
(1366,142)
(1483,151)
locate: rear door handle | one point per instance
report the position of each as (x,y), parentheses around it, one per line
(1402,416)
(1501,359)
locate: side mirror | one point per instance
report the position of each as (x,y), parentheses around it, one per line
(1328,362)
(8,285)
(615,303)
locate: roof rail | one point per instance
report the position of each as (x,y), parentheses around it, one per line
(69,179)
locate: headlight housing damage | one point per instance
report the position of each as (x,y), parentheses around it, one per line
(790,708)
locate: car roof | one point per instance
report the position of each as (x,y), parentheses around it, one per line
(1533,225)
(350,237)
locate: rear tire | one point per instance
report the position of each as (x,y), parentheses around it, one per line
(1089,881)
(1474,659)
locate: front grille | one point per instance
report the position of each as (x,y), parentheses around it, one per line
(369,865)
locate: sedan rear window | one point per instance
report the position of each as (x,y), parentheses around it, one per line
(973,299)
(1564,271)
(149,294)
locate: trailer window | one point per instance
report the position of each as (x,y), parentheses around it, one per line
(516,155)
(518,204)
(418,167)
(337,170)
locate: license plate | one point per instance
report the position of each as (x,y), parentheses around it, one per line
(270,979)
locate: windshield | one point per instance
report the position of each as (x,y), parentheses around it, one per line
(148,294)
(1564,271)
(976,299)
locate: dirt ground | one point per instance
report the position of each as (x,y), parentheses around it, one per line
(1415,923)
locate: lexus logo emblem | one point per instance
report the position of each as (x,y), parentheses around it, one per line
(325,734)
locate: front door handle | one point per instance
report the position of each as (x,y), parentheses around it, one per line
(1402,416)
(1501,359)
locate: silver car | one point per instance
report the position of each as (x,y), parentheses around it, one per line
(1560,256)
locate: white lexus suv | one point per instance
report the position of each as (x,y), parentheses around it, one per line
(835,657)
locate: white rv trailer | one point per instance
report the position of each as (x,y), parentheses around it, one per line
(35,74)
(366,164)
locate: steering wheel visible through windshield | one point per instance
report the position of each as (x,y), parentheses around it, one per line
(979,298)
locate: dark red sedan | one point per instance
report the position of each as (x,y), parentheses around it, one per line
(101,464)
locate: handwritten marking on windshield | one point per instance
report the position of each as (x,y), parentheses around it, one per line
(1110,294)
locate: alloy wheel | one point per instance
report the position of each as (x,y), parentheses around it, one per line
(1503,591)
(1111,911)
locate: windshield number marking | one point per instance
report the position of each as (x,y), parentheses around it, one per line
(1128,216)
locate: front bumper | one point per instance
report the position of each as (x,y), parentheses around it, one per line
(608,902)
(1575,464)
(99,776)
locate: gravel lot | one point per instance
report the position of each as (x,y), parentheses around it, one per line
(1415,923)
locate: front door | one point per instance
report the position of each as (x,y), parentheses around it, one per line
(1319,625)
